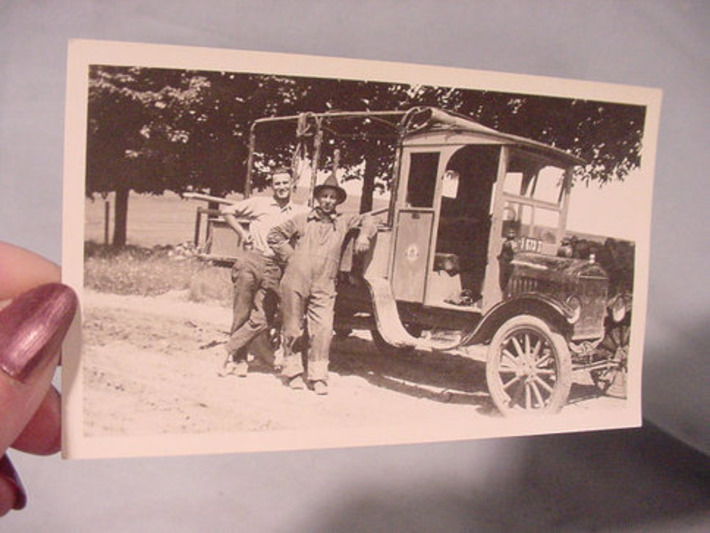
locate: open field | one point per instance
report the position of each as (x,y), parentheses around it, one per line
(152,220)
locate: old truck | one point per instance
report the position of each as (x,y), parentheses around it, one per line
(472,247)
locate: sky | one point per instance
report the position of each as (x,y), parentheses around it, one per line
(617,209)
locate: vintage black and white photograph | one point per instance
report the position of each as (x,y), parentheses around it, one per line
(283,252)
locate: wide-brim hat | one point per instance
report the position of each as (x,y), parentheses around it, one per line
(331,182)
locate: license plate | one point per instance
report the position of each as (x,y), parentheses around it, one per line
(530,245)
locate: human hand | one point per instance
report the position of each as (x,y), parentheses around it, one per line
(362,245)
(35,314)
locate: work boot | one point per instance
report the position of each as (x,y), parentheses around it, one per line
(235,368)
(320,387)
(296,383)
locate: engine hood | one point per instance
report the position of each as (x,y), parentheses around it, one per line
(555,269)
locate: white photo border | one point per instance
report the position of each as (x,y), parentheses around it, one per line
(82,53)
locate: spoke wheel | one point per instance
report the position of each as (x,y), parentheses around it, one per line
(614,348)
(529,368)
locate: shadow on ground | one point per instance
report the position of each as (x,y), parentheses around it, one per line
(436,376)
(441,377)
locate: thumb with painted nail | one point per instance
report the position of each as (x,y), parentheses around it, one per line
(32,328)
(33,325)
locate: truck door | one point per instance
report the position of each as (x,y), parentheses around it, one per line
(464,222)
(414,224)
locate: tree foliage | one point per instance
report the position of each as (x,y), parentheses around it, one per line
(604,134)
(153,130)
(138,127)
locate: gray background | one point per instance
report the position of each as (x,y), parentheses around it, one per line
(636,480)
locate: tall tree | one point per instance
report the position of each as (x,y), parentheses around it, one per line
(134,134)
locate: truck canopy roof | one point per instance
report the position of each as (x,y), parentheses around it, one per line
(417,121)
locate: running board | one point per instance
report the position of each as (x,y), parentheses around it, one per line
(389,324)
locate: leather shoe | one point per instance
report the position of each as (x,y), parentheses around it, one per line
(296,383)
(235,368)
(320,387)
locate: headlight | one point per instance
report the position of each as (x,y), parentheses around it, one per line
(618,309)
(574,307)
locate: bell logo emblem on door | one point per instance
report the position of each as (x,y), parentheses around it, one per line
(412,253)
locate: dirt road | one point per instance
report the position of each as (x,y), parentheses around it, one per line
(151,367)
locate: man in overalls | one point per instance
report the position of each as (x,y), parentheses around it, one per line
(311,245)
(256,273)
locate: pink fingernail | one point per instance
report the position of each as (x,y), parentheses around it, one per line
(8,472)
(33,326)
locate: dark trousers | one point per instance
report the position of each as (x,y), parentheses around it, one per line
(255,279)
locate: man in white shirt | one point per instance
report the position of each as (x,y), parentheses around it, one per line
(256,273)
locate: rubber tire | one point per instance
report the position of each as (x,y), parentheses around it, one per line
(552,400)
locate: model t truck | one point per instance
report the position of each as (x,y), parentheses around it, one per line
(471,249)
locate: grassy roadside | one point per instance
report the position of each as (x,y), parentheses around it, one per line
(152,271)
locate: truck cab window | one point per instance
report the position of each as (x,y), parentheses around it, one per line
(423,169)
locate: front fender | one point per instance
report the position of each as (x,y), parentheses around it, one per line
(537,305)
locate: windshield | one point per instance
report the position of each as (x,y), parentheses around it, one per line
(533,196)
